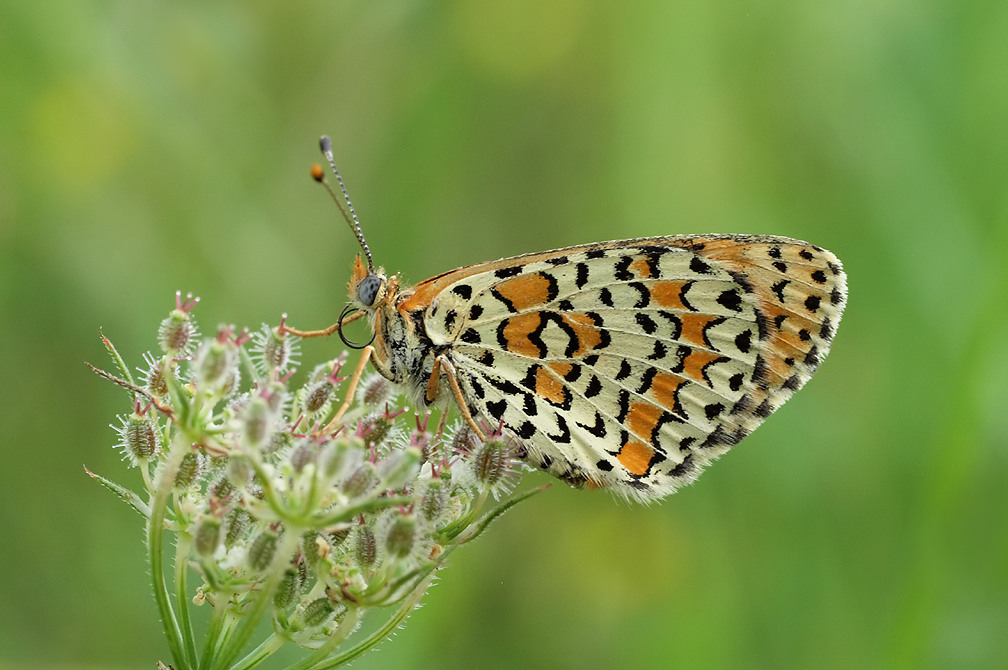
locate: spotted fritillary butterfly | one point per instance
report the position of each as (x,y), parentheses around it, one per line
(625,365)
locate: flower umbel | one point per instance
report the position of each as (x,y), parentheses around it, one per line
(287,502)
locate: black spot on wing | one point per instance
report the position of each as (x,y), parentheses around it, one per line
(684,468)
(682,296)
(496,408)
(826,332)
(646,323)
(699,267)
(475,312)
(510,271)
(778,288)
(573,374)
(623,269)
(836,296)
(713,323)
(624,405)
(730,299)
(599,429)
(812,357)
(735,381)
(743,341)
(647,379)
(463,291)
(450,318)
(581,275)
(564,436)
(674,321)
(645,295)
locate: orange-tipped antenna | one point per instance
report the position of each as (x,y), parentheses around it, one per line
(326,145)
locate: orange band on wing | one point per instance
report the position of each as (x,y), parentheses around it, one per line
(635,457)
(668,294)
(526,291)
(517,330)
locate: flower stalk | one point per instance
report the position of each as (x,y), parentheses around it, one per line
(282,506)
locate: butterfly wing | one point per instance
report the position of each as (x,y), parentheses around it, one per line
(630,365)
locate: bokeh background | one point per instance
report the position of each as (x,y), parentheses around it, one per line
(152,146)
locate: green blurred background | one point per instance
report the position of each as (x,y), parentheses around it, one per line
(151,146)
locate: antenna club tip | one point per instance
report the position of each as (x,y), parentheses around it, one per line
(317,173)
(325,144)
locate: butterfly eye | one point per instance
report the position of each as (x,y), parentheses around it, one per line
(368,289)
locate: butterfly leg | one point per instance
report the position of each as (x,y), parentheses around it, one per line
(325,332)
(441,363)
(368,354)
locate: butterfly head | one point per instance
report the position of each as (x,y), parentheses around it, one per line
(370,288)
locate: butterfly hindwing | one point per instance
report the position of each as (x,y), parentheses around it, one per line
(630,365)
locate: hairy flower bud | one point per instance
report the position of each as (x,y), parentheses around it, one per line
(273,350)
(400,535)
(399,468)
(189,470)
(318,611)
(178,330)
(215,366)
(303,453)
(361,481)
(258,423)
(317,397)
(261,550)
(375,391)
(433,500)
(207,536)
(375,429)
(365,547)
(238,523)
(339,455)
(139,437)
(494,465)
(287,590)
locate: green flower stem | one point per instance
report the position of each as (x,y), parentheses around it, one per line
(260,653)
(261,600)
(217,622)
(379,635)
(183,544)
(155,549)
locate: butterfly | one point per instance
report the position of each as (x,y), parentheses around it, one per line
(626,365)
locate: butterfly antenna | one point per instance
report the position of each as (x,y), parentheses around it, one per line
(326,145)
